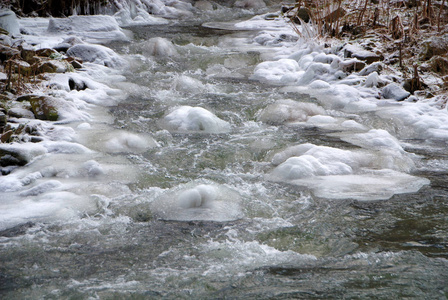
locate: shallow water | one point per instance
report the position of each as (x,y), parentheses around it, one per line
(259,239)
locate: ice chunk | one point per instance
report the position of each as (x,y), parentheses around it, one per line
(98,28)
(283,71)
(122,141)
(198,202)
(286,111)
(377,185)
(8,21)
(159,47)
(194,119)
(188,84)
(96,54)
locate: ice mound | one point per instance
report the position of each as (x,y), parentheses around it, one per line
(137,16)
(51,206)
(122,141)
(283,71)
(187,84)
(160,47)
(375,185)
(287,111)
(198,202)
(341,174)
(96,54)
(194,119)
(94,29)
(9,22)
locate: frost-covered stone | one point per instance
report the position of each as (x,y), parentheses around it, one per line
(283,111)
(394,91)
(96,54)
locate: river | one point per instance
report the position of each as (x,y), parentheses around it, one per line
(207,212)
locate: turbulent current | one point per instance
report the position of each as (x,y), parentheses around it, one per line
(229,162)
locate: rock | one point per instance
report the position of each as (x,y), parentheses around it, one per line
(9,157)
(394,91)
(51,66)
(375,67)
(254,4)
(44,108)
(18,112)
(436,45)
(7,52)
(351,65)
(439,64)
(5,137)
(16,230)
(3,119)
(46,52)
(22,67)
(303,14)
(8,21)
(28,55)
(367,56)
(77,85)
(76,63)
(335,15)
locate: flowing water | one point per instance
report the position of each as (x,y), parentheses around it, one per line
(259,238)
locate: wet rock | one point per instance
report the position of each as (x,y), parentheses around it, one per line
(77,85)
(46,52)
(394,91)
(7,52)
(44,108)
(352,65)
(51,66)
(303,14)
(436,45)
(367,56)
(76,63)
(375,67)
(3,119)
(9,157)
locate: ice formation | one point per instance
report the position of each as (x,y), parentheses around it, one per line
(194,119)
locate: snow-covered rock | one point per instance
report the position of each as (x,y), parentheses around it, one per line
(394,91)
(8,21)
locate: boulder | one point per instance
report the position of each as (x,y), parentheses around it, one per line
(394,91)
(22,67)
(44,108)
(436,45)
(51,66)
(28,55)
(439,64)
(3,119)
